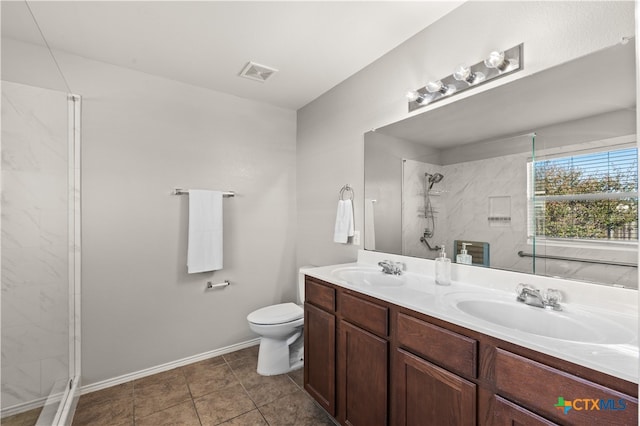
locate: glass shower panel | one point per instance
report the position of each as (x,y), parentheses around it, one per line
(36,270)
(585,207)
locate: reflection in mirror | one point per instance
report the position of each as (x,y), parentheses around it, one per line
(539,175)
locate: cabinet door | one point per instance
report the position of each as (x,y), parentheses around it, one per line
(362,377)
(506,413)
(320,356)
(425,394)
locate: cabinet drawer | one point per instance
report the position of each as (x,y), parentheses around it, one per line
(319,294)
(506,413)
(446,348)
(561,396)
(371,317)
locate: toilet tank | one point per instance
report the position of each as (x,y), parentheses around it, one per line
(301,282)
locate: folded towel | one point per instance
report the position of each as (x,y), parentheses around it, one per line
(204,252)
(344,222)
(369,224)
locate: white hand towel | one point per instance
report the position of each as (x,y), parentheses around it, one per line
(204,252)
(344,222)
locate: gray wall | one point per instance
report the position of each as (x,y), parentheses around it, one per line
(383,174)
(330,129)
(142,137)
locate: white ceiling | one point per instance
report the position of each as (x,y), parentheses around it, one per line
(314,45)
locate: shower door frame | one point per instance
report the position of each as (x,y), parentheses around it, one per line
(69,400)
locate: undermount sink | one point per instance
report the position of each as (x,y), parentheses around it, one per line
(369,277)
(570,324)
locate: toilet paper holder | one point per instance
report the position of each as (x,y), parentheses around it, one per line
(211,285)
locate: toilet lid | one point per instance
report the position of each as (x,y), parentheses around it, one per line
(276,314)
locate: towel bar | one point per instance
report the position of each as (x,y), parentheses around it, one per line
(180,191)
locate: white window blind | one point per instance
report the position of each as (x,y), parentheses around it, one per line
(590,196)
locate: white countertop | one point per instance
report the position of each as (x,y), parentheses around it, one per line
(421,294)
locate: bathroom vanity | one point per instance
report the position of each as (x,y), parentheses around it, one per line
(394,350)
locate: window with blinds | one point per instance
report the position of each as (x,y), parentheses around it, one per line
(592,196)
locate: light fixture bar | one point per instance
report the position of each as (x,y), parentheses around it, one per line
(497,64)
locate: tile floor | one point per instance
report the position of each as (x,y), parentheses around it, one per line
(28,418)
(225,390)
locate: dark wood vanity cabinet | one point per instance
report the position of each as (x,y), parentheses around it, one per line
(362,377)
(506,413)
(320,344)
(369,362)
(363,361)
(541,388)
(425,394)
(346,354)
(433,358)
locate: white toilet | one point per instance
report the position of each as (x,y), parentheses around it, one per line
(280,328)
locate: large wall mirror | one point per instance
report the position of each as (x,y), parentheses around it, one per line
(539,175)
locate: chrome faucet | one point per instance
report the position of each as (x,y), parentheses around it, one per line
(529,295)
(392,268)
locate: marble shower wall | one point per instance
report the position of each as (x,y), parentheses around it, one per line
(35,263)
(472,192)
(472,188)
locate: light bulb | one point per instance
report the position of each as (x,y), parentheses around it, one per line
(424,99)
(477,78)
(498,61)
(463,73)
(412,95)
(439,87)
(434,86)
(417,97)
(494,60)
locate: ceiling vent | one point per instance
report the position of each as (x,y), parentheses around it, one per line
(257,72)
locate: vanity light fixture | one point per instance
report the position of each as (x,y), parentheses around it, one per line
(497,64)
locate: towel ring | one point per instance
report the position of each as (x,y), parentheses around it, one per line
(348,189)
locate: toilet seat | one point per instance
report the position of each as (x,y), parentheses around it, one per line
(276,314)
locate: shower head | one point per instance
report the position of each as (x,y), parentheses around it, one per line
(434,178)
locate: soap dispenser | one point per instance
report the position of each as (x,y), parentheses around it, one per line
(464,257)
(443,268)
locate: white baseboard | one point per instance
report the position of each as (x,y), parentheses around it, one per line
(49,404)
(26,406)
(165,367)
